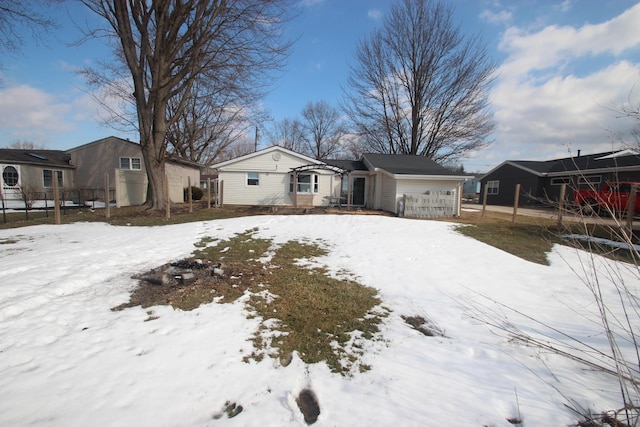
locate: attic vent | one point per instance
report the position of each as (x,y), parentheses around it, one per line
(37,156)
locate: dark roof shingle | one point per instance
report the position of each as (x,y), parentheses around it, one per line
(36,157)
(606,160)
(406,164)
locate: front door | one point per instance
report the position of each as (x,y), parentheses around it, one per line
(357,191)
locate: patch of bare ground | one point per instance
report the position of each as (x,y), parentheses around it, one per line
(303,309)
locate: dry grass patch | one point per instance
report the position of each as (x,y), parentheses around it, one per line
(529,238)
(302,308)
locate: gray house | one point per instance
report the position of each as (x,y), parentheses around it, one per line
(121,161)
(540,181)
(83,171)
(32,173)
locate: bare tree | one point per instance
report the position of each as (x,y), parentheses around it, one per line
(168,46)
(210,121)
(353,146)
(17,16)
(288,133)
(419,87)
(23,144)
(323,130)
(240,147)
(631,109)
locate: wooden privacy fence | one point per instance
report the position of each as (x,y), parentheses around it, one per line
(433,204)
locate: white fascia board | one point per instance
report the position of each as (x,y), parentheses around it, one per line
(424,177)
(267,150)
(592,171)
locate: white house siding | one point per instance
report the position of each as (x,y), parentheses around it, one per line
(266,162)
(389,193)
(273,187)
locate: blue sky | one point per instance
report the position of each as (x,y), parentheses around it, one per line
(563,66)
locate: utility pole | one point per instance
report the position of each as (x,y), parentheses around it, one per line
(256,140)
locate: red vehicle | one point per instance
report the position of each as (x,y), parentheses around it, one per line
(613,197)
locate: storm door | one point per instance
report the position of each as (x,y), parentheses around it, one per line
(358,186)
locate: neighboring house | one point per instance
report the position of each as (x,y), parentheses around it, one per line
(32,172)
(541,181)
(471,189)
(389,182)
(121,160)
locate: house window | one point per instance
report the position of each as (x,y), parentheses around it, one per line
(253,178)
(130,163)
(47,178)
(493,187)
(560,181)
(306,183)
(10,176)
(590,180)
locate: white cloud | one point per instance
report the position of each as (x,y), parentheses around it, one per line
(558,86)
(538,121)
(565,6)
(29,113)
(553,45)
(374,14)
(495,18)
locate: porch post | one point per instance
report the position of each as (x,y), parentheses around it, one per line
(348,190)
(295,189)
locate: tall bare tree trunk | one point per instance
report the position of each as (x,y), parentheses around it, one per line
(169,45)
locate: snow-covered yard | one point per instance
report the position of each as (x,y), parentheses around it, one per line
(67,359)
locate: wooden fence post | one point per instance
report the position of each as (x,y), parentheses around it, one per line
(349,195)
(189,195)
(516,201)
(631,209)
(484,199)
(166,195)
(56,199)
(4,211)
(221,195)
(563,193)
(295,189)
(107,197)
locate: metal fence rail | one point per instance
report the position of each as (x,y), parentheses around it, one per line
(43,201)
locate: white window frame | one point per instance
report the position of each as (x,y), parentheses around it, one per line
(132,163)
(56,172)
(561,180)
(493,187)
(590,180)
(253,179)
(313,185)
